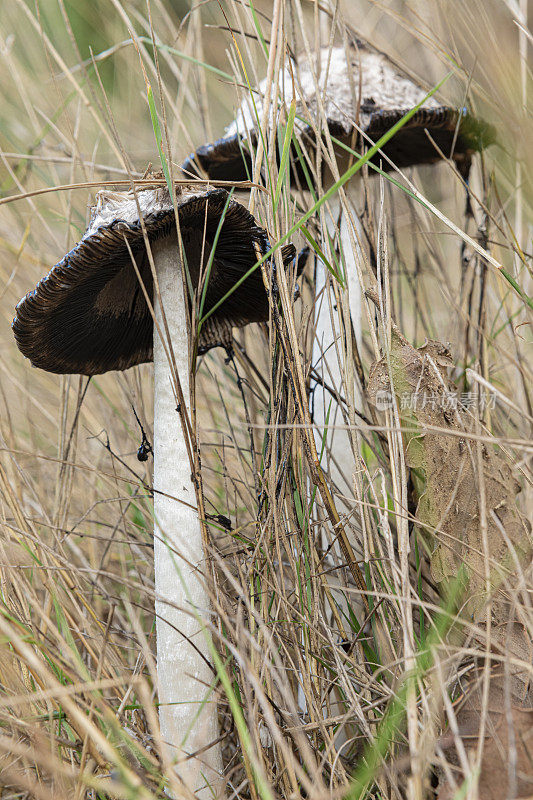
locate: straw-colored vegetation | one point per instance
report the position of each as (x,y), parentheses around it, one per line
(324,691)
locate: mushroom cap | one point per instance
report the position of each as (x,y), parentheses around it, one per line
(369,89)
(90,315)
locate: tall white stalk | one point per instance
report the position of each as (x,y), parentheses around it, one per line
(327,349)
(188,723)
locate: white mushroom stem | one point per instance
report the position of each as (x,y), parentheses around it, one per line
(326,356)
(188,711)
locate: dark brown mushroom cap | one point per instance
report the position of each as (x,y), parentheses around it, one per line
(386,95)
(89,314)
(227,159)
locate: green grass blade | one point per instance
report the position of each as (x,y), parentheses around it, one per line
(320,253)
(258,29)
(186,57)
(212,256)
(158,137)
(509,278)
(394,718)
(166,172)
(105,54)
(240,723)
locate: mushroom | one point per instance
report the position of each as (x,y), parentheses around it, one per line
(383,95)
(89,315)
(361,95)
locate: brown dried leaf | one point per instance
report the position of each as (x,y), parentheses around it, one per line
(445,472)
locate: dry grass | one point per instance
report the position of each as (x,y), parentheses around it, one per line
(326,700)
